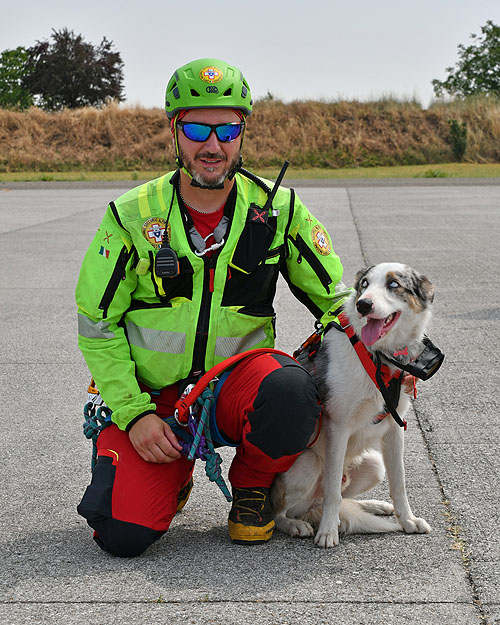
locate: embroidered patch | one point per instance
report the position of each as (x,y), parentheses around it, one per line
(259,215)
(104,252)
(107,237)
(153,230)
(321,241)
(211,74)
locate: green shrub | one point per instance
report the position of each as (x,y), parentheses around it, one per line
(458,138)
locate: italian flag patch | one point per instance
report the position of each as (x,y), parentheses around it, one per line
(104,252)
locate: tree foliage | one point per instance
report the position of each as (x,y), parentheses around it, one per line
(69,72)
(478,68)
(13,68)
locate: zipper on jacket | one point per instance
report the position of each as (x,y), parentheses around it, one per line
(314,262)
(117,275)
(201,338)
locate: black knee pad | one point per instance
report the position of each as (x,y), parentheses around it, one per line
(119,538)
(286,411)
(122,539)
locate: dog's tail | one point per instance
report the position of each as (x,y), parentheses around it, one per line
(355,519)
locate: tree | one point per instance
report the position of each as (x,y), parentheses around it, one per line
(69,72)
(13,69)
(478,68)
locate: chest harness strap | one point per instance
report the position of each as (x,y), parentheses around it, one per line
(387,382)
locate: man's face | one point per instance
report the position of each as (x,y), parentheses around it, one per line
(211,161)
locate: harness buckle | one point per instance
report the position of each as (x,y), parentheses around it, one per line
(192,409)
(212,248)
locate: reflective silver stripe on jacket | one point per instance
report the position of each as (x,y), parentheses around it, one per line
(94,329)
(227,346)
(156,340)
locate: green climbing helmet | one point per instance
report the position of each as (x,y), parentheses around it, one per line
(205,83)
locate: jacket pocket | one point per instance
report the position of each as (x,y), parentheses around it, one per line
(238,332)
(253,291)
(181,285)
(254,241)
(117,275)
(313,260)
(161,339)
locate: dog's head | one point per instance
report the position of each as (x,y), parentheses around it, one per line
(390,306)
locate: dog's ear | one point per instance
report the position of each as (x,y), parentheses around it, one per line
(425,289)
(361,273)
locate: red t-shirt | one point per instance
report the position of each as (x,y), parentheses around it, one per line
(205,223)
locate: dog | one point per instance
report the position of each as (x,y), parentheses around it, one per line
(389,312)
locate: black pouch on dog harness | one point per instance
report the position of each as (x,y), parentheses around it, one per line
(426,364)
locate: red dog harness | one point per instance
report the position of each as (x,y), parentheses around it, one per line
(387,382)
(381,375)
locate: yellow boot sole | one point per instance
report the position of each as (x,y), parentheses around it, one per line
(250,534)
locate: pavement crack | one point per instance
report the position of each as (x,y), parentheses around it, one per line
(458,540)
(203,599)
(364,254)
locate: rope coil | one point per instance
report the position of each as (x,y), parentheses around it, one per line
(196,439)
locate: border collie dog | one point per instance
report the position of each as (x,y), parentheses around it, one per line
(361,436)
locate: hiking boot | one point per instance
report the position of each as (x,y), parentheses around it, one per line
(184,495)
(251,518)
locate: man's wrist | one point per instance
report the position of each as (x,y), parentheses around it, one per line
(135,419)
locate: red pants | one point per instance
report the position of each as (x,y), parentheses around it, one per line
(268,408)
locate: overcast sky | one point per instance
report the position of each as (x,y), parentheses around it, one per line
(353,49)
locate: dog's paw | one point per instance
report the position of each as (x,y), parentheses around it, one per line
(294,527)
(327,539)
(415,525)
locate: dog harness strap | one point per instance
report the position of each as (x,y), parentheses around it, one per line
(380,374)
(389,404)
(183,404)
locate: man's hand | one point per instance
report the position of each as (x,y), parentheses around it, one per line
(153,440)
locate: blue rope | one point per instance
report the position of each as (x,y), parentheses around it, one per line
(197,439)
(96,419)
(202,446)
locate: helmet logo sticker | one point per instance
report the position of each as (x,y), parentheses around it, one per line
(320,240)
(153,230)
(211,74)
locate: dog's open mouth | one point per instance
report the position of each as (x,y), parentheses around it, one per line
(376,328)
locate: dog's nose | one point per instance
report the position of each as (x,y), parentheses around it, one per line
(364,306)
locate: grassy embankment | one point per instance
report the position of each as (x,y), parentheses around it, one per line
(384,138)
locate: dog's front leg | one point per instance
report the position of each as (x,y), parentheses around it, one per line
(393,446)
(336,445)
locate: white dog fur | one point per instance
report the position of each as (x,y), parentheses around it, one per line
(350,455)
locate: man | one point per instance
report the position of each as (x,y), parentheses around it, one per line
(180,276)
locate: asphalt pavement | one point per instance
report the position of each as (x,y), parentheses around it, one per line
(52,572)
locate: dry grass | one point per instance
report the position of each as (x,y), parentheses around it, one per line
(309,134)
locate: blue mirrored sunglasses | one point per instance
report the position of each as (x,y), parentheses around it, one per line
(200,132)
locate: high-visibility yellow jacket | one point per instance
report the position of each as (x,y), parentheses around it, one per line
(134,326)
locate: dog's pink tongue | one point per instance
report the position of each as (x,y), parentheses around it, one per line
(371,331)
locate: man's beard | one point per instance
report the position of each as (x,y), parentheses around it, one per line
(200,178)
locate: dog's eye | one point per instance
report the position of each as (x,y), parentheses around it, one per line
(364,283)
(393,284)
